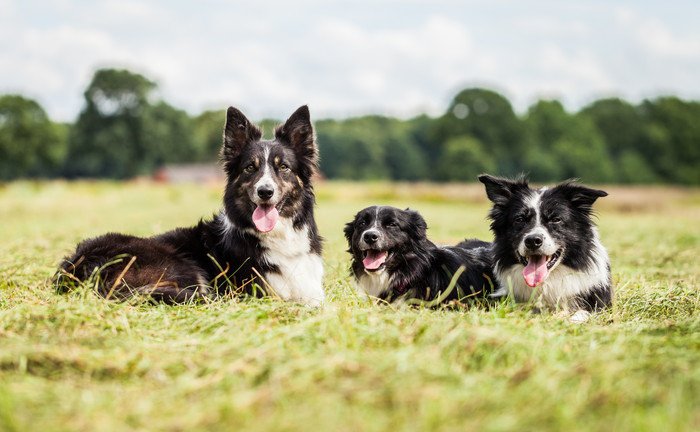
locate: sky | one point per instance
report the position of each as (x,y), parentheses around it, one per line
(394,57)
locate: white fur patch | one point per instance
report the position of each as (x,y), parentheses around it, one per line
(373,283)
(562,284)
(267,180)
(548,245)
(226,225)
(300,276)
(301,271)
(580,316)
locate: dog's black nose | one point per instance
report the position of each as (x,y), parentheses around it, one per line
(265,192)
(533,242)
(370,237)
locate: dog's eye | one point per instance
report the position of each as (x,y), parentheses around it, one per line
(555,219)
(361,223)
(249,169)
(284,167)
(392,224)
(519,219)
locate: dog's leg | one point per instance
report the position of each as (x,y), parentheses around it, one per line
(580,316)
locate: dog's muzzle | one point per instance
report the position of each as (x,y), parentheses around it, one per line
(371,239)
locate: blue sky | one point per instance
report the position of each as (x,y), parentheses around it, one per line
(348,58)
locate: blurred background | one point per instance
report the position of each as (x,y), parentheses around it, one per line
(399,90)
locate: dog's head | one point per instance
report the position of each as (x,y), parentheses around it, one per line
(268,179)
(380,237)
(540,228)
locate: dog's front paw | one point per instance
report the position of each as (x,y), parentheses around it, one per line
(580,317)
(313,302)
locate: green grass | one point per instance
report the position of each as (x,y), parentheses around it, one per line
(77,362)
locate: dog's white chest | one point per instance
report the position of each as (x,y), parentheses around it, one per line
(560,287)
(300,276)
(373,284)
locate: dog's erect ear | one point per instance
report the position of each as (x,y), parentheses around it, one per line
(500,190)
(418,226)
(298,133)
(238,132)
(581,196)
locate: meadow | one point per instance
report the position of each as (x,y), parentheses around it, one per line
(77,362)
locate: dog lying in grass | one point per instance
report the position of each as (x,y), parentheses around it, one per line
(393,260)
(264,239)
(546,247)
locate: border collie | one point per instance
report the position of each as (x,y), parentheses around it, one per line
(265,237)
(546,245)
(393,260)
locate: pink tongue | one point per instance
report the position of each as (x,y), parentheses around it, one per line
(265,218)
(374,259)
(536,270)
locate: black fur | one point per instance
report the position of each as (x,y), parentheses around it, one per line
(416,267)
(216,255)
(564,214)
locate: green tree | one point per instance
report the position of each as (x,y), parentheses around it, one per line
(560,145)
(30,145)
(618,122)
(169,135)
(352,148)
(370,147)
(420,131)
(123,132)
(404,159)
(672,138)
(545,123)
(488,117)
(208,127)
(625,134)
(463,159)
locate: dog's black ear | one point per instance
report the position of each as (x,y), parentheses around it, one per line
(418,225)
(298,133)
(238,132)
(349,230)
(500,190)
(581,196)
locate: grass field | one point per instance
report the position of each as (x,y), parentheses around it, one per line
(77,362)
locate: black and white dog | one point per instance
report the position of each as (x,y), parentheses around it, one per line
(392,259)
(265,236)
(546,245)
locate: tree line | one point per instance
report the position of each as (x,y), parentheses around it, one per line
(125,130)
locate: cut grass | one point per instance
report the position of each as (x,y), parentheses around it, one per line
(77,362)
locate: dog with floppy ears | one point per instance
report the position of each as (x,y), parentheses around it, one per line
(546,246)
(393,260)
(264,237)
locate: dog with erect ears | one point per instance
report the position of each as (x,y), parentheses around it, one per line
(546,246)
(264,239)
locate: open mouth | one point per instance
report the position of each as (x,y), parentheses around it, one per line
(537,267)
(374,259)
(265,217)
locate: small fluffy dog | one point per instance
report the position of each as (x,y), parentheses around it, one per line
(546,245)
(392,259)
(264,237)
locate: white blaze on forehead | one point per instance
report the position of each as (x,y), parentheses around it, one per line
(266,179)
(374,225)
(534,202)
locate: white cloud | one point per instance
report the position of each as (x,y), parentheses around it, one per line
(656,38)
(342,60)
